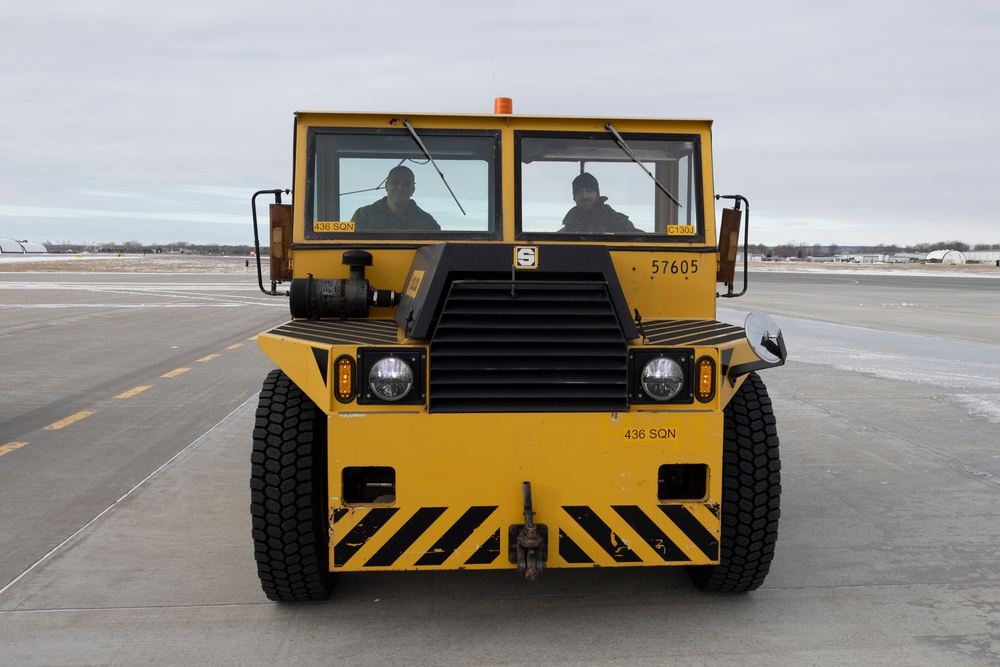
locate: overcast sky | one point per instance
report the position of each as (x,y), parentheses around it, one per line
(848,122)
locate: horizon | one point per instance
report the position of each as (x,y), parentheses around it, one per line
(951,244)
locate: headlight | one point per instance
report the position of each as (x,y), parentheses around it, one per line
(662,378)
(390,378)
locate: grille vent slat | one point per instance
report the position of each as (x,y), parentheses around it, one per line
(552,347)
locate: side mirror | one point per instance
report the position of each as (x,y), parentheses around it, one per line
(767,343)
(765,339)
(729,241)
(281,242)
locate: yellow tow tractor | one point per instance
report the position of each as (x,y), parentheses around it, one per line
(503,353)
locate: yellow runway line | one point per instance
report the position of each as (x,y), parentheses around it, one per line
(174,373)
(72,419)
(11,446)
(132,392)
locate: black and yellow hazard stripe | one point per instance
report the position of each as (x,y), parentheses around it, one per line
(353,529)
(673,534)
(439,537)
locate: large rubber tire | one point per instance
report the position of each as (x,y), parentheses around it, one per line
(288,494)
(751,493)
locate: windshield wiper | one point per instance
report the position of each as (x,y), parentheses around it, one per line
(628,151)
(427,153)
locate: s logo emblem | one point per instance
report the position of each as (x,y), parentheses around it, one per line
(525,257)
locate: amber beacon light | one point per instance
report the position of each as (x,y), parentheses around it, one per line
(503,105)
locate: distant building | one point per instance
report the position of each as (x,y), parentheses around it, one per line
(946,257)
(862,258)
(908,257)
(983,256)
(12,247)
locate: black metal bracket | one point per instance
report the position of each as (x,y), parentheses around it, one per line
(528,542)
(256,237)
(746,246)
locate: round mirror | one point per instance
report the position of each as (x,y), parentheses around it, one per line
(762,334)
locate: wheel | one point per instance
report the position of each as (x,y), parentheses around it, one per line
(751,491)
(288,493)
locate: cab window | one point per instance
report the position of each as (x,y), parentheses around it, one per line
(660,192)
(384,184)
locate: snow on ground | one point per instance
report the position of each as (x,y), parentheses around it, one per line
(976,270)
(97,263)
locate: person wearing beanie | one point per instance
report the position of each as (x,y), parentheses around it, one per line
(591,213)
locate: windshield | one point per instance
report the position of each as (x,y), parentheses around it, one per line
(582,185)
(389,182)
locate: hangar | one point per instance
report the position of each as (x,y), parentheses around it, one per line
(946,257)
(10,246)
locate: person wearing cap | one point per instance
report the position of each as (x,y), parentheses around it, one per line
(396,210)
(591,213)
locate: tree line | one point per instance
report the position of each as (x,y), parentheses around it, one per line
(803,250)
(789,250)
(139,248)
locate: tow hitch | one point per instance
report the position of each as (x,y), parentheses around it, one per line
(528,543)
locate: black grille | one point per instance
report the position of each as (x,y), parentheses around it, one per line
(548,347)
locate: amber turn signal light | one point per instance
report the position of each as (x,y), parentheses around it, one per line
(344,368)
(705,376)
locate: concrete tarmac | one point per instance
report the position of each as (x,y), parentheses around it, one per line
(887,549)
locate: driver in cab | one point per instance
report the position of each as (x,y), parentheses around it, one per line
(395,211)
(591,213)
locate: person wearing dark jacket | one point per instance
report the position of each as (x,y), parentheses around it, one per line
(395,211)
(591,213)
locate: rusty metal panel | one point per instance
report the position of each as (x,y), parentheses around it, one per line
(729,242)
(281,242)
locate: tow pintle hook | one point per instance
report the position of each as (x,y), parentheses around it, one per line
(528,542)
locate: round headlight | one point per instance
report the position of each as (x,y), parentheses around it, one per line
(390,378)
(662,378)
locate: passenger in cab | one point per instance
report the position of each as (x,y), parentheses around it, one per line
(395,211)
(591,214)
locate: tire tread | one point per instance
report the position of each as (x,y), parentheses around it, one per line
(286,493)
(751,494)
